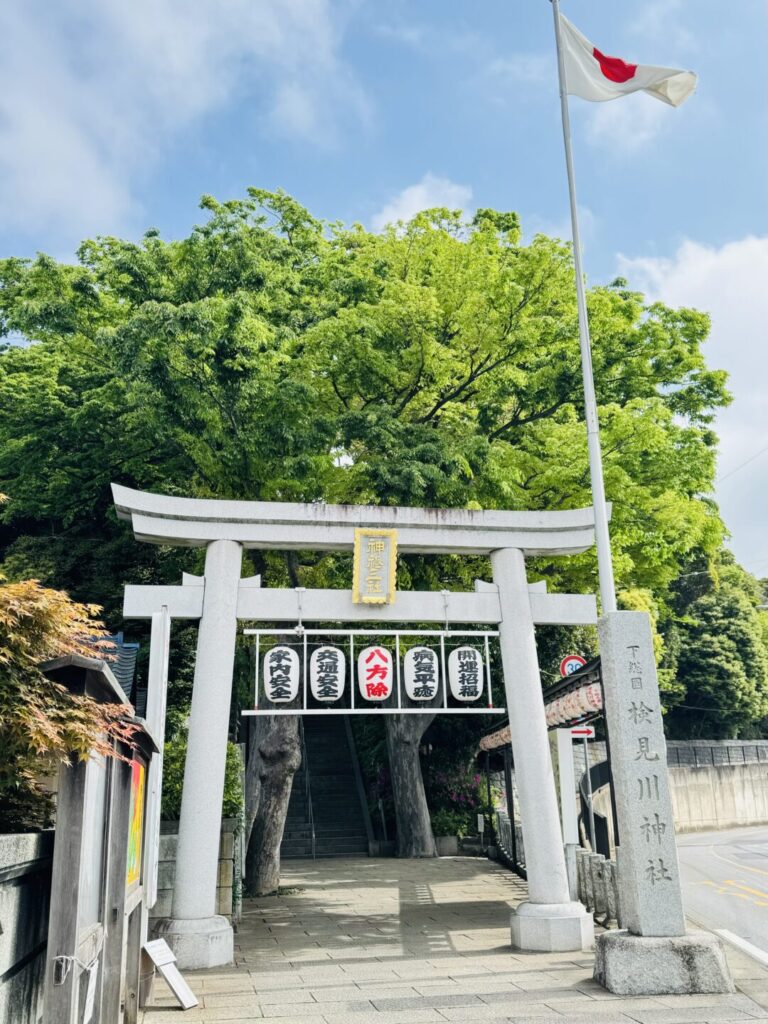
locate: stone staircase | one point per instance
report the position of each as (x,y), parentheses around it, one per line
(325,793)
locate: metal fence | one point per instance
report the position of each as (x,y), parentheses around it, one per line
(509,840)
(700,755)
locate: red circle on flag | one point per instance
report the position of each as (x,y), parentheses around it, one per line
(614,68)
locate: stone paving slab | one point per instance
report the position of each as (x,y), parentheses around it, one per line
(363,941)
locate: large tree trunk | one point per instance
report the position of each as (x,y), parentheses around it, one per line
(258,728)
(279,756)
(414,828)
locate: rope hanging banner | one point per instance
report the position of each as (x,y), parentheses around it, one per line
(379,671)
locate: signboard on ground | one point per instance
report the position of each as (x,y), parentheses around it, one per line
(161,955)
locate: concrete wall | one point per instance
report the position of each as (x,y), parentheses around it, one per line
(167,870)
(725,796)
(25,889)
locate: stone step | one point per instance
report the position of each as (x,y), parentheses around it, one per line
(305,851)
(338,819)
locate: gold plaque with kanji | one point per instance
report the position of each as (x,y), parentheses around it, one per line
(375,571)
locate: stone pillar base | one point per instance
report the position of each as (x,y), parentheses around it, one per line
(551,927)
(638,965)
(198,942)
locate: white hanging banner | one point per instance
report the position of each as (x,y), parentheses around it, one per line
(327,669)
(375,673)
(281,675)
(465,674)
(420,669)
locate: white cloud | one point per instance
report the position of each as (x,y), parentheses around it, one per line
(632,123)
(537,225)
(534,68)
(627,125)
(433,40)
(729,283)
(91,92)
(658,21)
(413,36)
(429,192)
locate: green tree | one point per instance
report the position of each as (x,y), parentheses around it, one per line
(722,659)
(267,356)
(271,356)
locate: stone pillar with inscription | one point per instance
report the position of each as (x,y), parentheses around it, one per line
(653,954)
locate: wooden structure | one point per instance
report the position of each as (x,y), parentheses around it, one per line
(97,894)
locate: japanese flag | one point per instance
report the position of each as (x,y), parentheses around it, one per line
(593,76)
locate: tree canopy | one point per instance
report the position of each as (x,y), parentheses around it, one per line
(270,355)
(719,650)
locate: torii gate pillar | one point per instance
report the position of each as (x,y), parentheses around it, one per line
(548,920)
(195,932)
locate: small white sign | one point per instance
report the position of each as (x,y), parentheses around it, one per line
(582,732)
(481,823)
(281,675)
(159,952)
(465,674)
(421,673)
(375,674)
(90,992)
(162,956)
(327,669)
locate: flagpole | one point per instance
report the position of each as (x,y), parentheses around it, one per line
(602,536)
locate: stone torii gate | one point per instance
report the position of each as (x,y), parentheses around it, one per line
(549,920)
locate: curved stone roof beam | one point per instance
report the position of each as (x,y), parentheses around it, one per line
(167,519)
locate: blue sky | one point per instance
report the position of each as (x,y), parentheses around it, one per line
(115,117)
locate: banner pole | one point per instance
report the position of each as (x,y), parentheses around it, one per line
(602,536)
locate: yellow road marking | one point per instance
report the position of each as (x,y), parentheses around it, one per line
(746,888)
(723,890)
(737,864)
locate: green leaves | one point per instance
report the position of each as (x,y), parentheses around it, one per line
(271,356)
(722,657)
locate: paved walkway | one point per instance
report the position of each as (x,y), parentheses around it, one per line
(364,941)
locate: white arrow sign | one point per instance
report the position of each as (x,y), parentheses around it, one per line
(582,732)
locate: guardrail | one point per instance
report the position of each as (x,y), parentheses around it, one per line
(509,842)
(589,817)
(307,787)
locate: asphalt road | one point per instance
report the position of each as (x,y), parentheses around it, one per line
(725,882)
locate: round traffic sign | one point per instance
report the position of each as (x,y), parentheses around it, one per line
(571,663)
